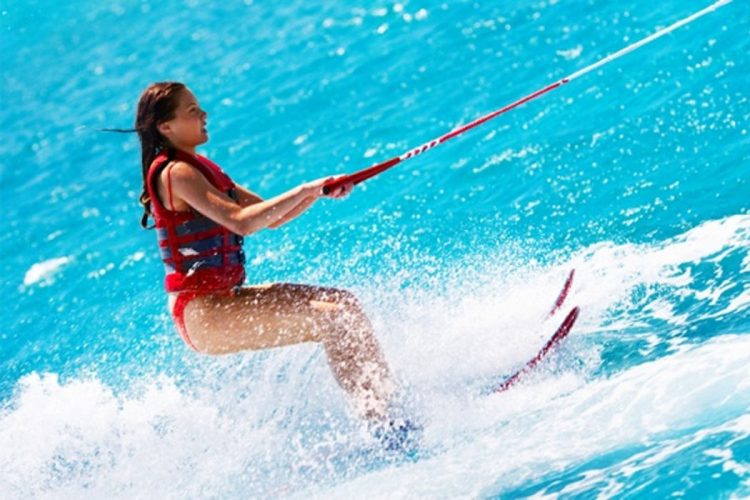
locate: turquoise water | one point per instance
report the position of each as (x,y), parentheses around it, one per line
(636,175)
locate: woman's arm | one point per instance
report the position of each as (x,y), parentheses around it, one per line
(304,205)
(191,186)
(246,198)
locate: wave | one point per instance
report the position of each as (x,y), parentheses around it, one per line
(635,379)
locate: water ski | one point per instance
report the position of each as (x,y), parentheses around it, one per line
(559,334)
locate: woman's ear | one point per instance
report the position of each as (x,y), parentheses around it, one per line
(163,128)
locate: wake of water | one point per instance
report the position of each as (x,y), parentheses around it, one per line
(614,408)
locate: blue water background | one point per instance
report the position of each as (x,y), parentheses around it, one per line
(637,174)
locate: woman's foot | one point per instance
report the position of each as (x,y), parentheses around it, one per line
(397,435)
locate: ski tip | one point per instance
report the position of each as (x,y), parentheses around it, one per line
(569,281)
(563,293)
(561,333)
(567,324)
(574,312)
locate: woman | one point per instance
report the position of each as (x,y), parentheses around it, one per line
(201,216)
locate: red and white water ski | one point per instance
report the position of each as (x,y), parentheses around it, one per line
(561,332)
(563,294)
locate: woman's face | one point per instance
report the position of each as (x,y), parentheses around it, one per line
(188,127)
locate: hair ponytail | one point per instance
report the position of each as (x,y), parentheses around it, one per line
(156,105)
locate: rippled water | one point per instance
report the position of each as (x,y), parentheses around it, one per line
(636,175)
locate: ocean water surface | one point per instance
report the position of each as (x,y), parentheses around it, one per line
(637,175)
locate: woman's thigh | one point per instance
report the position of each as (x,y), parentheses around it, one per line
(263,316)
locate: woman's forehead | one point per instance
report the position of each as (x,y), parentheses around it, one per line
(187,98)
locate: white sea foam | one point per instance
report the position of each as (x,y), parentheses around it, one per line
(571,54)
(641,405)
(81,438)
(275,423)
(43,273)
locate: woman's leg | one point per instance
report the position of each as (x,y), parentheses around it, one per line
(279,314)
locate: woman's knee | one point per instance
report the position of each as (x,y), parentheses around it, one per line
(345,298)
(209,350)
(200,345)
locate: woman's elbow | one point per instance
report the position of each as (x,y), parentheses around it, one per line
(245,223)
(246,229)
(239,225)
(249,226)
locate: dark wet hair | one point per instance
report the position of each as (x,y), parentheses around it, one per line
(156,105)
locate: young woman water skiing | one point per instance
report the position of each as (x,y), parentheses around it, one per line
(201,216)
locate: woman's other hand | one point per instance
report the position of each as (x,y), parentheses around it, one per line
(315,188)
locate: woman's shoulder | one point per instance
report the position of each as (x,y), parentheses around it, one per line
(180,170)
(195,170)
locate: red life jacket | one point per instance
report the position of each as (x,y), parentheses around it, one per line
(198,253)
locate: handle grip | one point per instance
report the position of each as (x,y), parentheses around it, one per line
(361,175)
(334,185)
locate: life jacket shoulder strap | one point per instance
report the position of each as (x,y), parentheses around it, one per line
(157,166)
(211,171)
